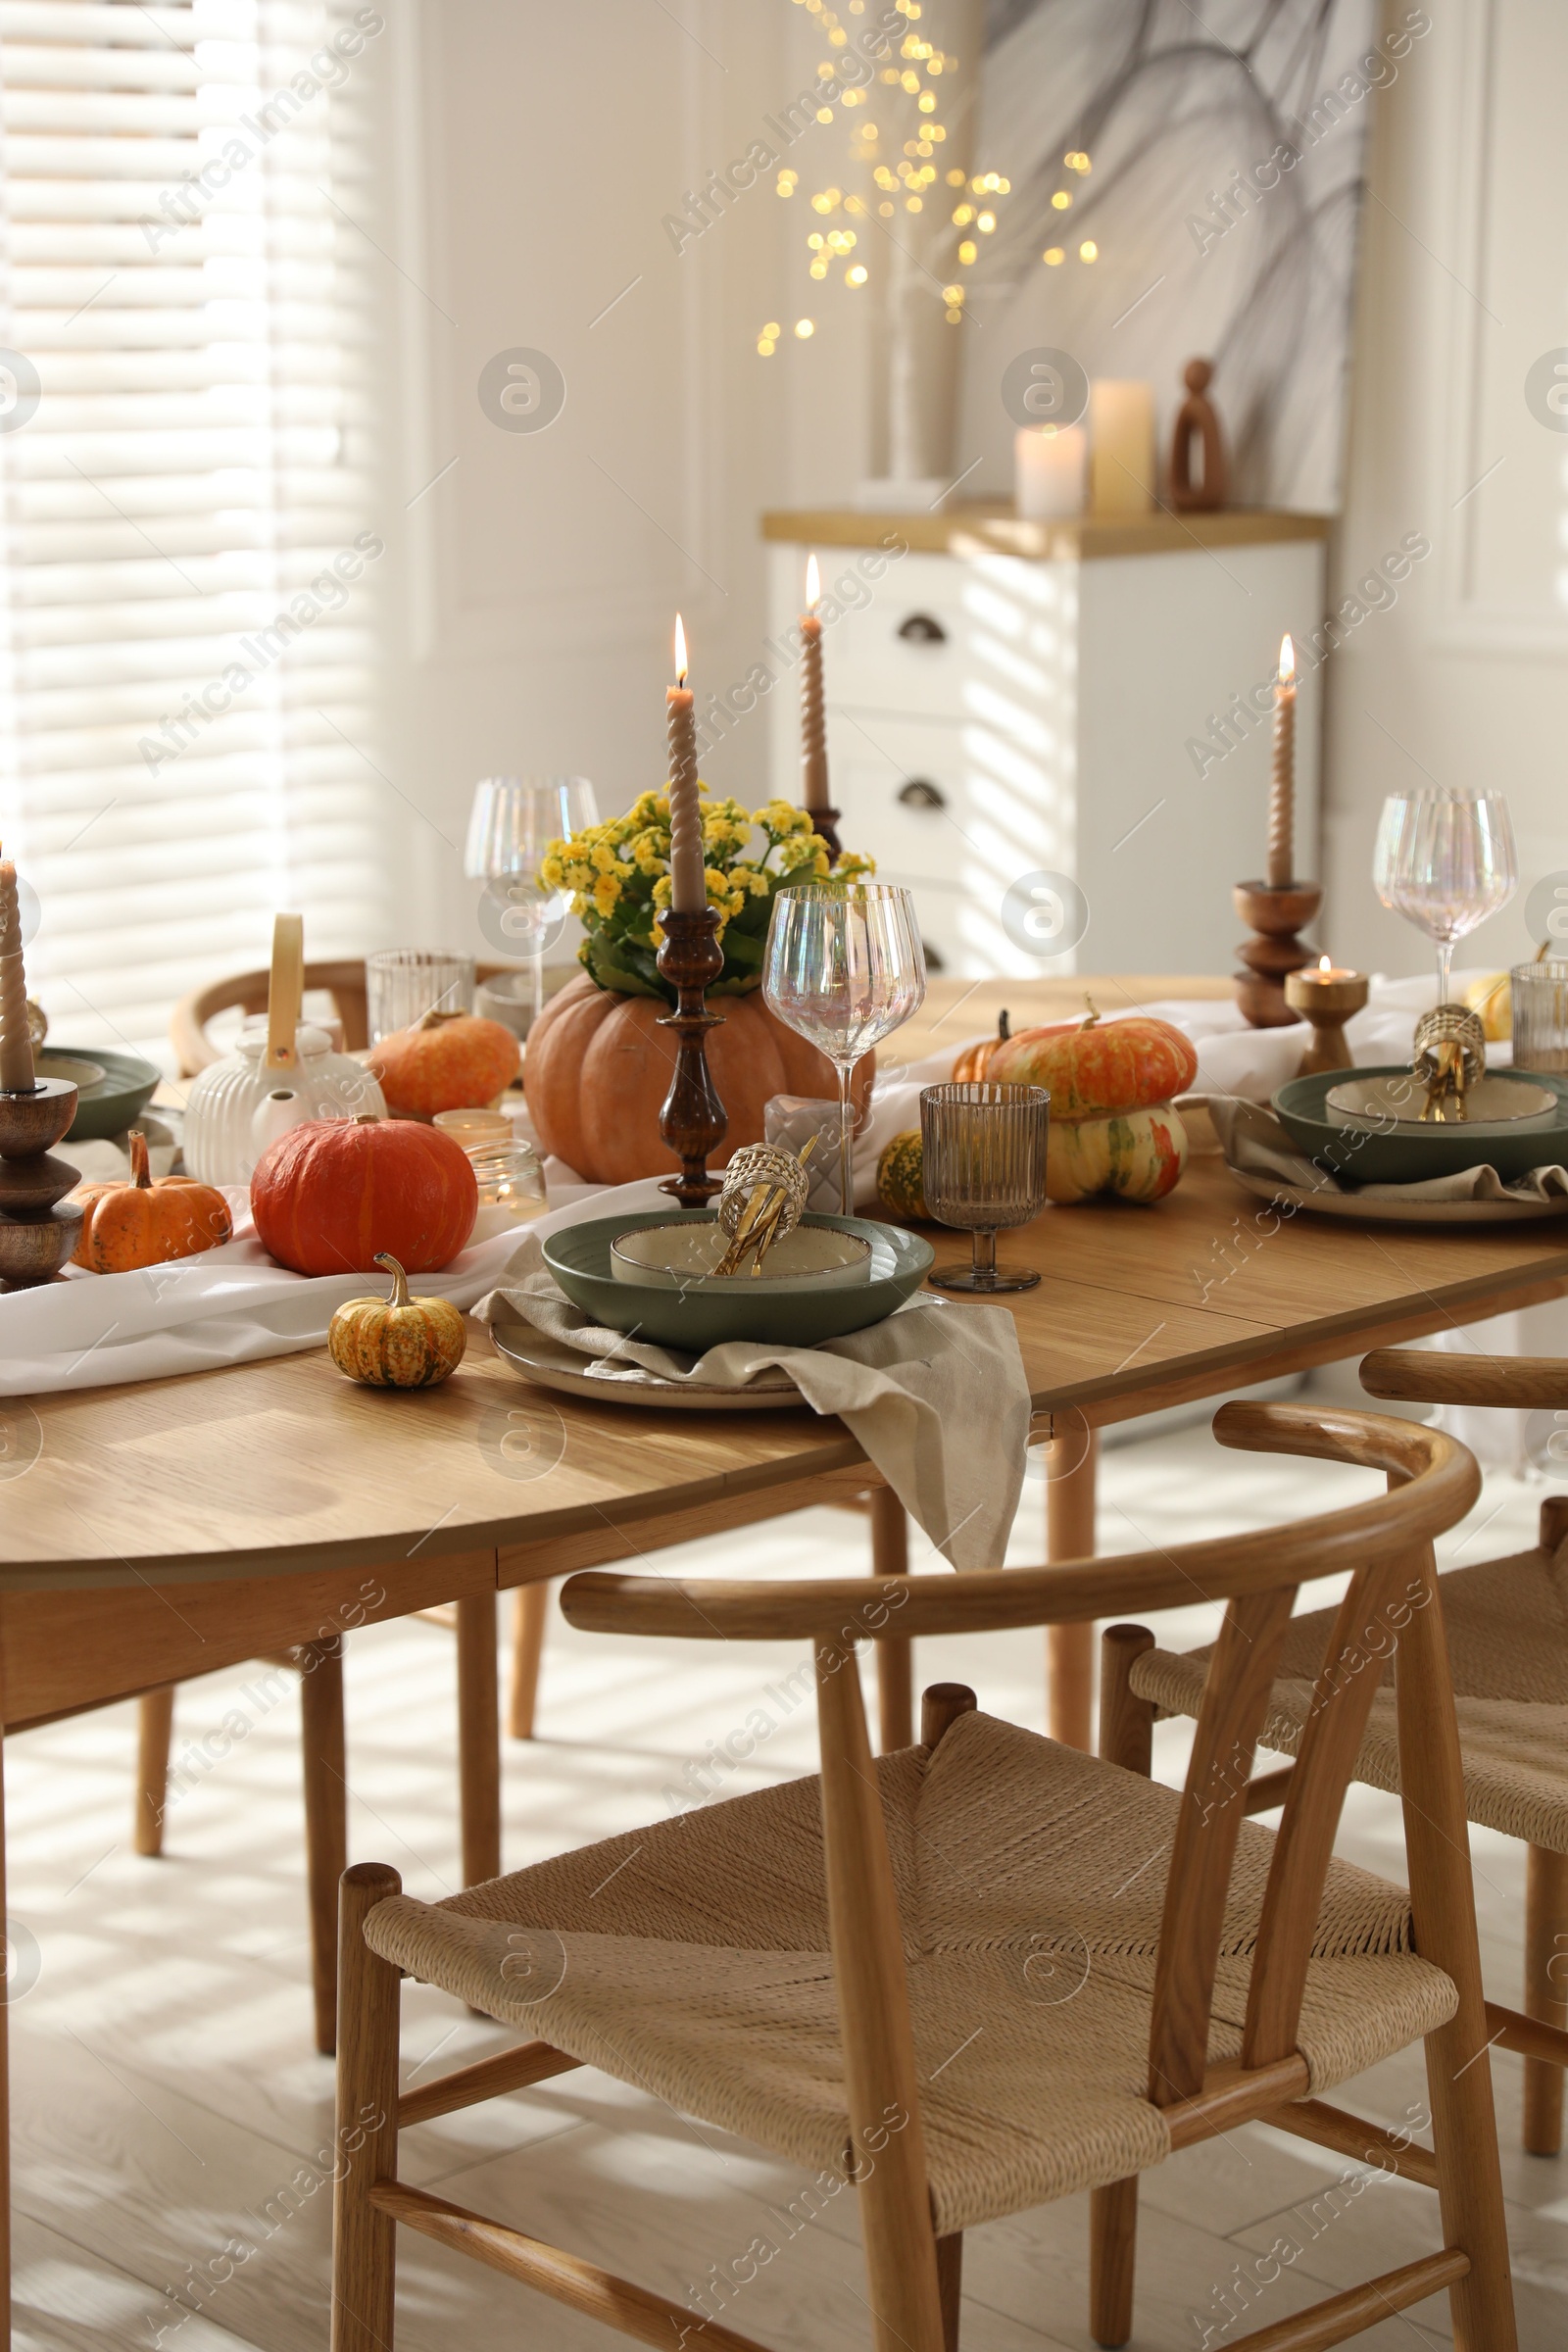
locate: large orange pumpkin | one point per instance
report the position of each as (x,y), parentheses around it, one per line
(597,1068)
(126,1224)
(448,1062)
(1096,1069)
(332,1196)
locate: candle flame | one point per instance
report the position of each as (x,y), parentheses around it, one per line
(680,650)
(1323,964)
(813,583)
(1286,662)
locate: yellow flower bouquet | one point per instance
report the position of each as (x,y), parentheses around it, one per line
(618,878)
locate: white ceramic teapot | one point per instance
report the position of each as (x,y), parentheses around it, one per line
(234,1110)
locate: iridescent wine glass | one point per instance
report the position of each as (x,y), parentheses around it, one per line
(1445,860)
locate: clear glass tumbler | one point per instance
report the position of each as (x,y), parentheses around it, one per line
(982,1169)
(402,984)
(1539,997)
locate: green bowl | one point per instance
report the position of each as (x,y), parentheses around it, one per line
(112,1103)
(1408,1153)
(697,1318)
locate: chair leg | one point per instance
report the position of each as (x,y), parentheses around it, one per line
(479,1737)
(155,1737)
(950,2286)
(529,1608)
(1112,2251)
(1546,1992)
(895,1654)
(326,1819)
(1070,1490)
(1126,1737)
(364,2239)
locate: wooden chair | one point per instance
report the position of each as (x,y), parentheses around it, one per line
(247,992)
(808,1965)
(1507,1623)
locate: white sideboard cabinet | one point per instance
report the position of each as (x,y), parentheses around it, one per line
(1058,734)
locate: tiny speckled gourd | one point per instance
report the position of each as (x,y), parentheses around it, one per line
(398,1341)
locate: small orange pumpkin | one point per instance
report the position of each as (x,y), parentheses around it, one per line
(398,1341)
(448,1062)
(975,1060)
(131,1222)
(1096,1070)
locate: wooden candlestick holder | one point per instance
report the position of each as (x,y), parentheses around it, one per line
(1328,1005)
(1276,917)
(39,1227)
(826,822)
(692,1121)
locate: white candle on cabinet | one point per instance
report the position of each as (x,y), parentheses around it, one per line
(1050,463)
(1121,434)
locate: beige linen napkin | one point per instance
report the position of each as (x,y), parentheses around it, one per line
(1255,1141)
(936,1394)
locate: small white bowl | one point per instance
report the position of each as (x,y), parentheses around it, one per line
(670,1258)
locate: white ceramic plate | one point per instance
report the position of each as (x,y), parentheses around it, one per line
(548,1366)
(1359,1209)
(1493,1101)
(666,1257)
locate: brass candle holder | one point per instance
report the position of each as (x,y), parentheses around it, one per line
(692,1121)
(39,1227)
(1276,917)
(1327,1000)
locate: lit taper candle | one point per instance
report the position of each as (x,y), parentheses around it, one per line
(15,1046)
(814,731)
(687,878)
(1282,783)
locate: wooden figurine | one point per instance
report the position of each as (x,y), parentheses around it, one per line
(1196,421)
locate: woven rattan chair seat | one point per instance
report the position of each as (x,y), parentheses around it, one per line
(692,1959)
(1507,1628)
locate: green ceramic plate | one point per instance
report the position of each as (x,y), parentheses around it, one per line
(109,1105)
(1406,1154)
(697,1318)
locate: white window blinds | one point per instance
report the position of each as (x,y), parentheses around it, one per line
(189,570)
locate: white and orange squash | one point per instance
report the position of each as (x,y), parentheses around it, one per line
(1114,1131)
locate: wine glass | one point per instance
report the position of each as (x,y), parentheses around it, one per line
(511,826)
(1445,861)
(844,966)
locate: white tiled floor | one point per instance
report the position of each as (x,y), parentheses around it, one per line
(169,2109)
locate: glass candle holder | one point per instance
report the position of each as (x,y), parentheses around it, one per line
(1539,997)
(402,984)
(982,1169)
(512,1186)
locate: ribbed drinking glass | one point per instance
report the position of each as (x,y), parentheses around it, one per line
(982,1169)
(1445,861)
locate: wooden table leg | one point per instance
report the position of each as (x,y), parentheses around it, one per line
(323,1757)
(1070,1473)
(895,1655)
(5,2052)
(530,1608)
(479,1737)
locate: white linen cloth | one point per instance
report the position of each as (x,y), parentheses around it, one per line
(936,1394)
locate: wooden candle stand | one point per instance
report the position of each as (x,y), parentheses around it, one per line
(1276,917)
(692,1121)
(826,822)
(39,1227)
(1328,1005)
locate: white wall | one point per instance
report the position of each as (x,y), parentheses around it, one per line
(1465,283)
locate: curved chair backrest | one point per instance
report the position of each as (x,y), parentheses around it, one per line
(247,992)
(1428,1375)
(1392,1601)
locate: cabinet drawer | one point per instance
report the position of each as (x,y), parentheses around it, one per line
(906,649)
(902,793)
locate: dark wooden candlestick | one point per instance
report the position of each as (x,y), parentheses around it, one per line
(39,1227)
(692,1121)
(1275,917)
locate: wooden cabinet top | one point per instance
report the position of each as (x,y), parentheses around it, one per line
(992,526)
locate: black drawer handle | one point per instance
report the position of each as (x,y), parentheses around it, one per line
(921,629)
(920,793)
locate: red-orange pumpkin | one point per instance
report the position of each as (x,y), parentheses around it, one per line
(332,1196)
(597,1068)
(1096,1069)
(448,1062)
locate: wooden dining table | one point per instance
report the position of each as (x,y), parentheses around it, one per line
(153,1532)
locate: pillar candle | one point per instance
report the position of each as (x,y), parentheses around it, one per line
(1121,438)
(15,1046)
(813,729)
(1282,782)
(687,874)
(1049,463)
